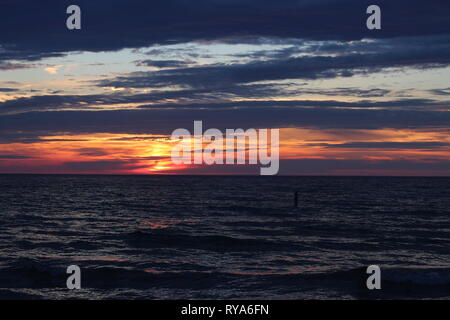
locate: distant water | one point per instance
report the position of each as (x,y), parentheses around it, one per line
(175,237)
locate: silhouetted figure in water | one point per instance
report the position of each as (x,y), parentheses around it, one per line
(296,199)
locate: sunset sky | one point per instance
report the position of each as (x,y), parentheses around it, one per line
(105,99)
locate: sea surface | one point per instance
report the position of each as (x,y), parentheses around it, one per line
(216,237)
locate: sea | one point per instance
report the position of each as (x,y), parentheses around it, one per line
(224,237)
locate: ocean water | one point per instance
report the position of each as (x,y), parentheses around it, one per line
(215,237)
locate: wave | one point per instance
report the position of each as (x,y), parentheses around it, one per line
(397,282)
(177,239)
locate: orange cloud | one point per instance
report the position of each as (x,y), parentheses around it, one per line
(151,154)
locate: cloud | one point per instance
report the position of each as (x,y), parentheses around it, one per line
(405,104)
(52,69)
(427,145)
(318,166)
(26,136)
(100,166)
(295,41)
(441,92)
(5,66)
(60,102)
(8,90)
(164,121)
(369,57)
(370,167)
(13,157)
(86,167)
(162,63)
(39,31)
(87,102)
(363,93)
(94,152)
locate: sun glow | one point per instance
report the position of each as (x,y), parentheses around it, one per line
(109,153)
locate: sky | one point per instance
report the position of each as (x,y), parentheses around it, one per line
(105,99)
